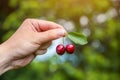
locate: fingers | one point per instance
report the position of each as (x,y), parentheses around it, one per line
(45,45)
(42,25)
(46,30)
(40,52)
(50,35)
(43,48)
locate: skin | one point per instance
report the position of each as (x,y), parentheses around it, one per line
(32,38)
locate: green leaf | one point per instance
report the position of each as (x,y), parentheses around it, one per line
(77,38)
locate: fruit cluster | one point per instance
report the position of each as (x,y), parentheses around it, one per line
(77,38)
(60,49)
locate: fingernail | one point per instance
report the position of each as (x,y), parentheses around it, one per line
(61,33)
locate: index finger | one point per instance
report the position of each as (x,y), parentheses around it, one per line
(43,25)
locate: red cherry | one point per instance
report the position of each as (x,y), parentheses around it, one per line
(60,49)
(70,48)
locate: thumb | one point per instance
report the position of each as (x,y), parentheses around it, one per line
(50,35)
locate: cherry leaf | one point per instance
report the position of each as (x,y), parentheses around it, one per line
(77,38)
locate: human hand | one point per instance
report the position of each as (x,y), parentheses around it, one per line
(32,38)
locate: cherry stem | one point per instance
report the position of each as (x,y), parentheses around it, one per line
(63,40)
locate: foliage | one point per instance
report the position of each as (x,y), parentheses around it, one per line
(77,38)
(99,20)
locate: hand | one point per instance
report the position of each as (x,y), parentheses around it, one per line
(32,38)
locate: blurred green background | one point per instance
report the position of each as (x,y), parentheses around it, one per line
(99,20)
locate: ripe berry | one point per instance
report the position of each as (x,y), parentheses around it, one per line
(60,49)
(70,48)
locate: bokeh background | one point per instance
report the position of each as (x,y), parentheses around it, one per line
(99,20)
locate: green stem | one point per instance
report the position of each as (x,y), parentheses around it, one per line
(63,40)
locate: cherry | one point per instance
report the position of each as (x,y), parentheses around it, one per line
(60,49)
(70,48)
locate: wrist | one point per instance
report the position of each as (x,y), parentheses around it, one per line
(4,59)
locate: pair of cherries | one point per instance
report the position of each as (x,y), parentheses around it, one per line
(60,49)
